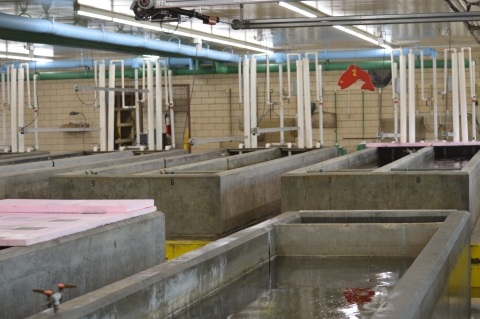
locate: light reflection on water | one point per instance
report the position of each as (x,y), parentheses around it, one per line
(448,163)
(307,287)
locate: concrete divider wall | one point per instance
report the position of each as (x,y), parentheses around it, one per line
(38,158)
(91,260)
(4,156)
(411,160)
(251,158)
(218,164)
(473,170)
(253,192)
(195,158)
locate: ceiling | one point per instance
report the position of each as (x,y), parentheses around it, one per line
(436,35)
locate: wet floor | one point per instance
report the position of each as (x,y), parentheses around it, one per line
(445,164)
(306,287)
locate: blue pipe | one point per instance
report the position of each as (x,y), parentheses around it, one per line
(45,27)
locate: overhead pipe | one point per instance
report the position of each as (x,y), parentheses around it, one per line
(246,102)
(411,97)
(35,109)
(44,31)
(455,115)
(170,106)
(463,97)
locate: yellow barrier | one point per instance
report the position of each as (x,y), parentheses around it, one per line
(175,248)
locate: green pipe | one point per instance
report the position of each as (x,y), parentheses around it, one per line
(221,68)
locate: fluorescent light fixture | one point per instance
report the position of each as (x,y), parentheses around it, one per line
(24,58)
(94,15)
(361,36)
(298,10)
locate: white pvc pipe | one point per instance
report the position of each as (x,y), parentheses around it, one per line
(403,99)
(300,105)
(474,100)
(111,109)
(395,102)
(103,107)
(320,101)
(455,115)
(35,108)
(307,101)
(280,88)
(4,114)
(288,73)
(411,97)
(170,105)
(150,107)
(268,80)
(137,108)
(435,100)
(246,102)
(463,96)
(158,104)
(13,109)
(445,73)
(240,95)
(253,100)
(21,108)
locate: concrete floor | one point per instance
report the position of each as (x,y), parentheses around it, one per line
(475,308)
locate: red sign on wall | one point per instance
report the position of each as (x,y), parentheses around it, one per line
(352,75)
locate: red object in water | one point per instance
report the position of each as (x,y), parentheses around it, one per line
(358,295)
(352,75)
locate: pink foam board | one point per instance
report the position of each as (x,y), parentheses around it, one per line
(73,206)
(425,144)
(24,229)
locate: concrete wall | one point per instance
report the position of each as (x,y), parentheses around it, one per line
(409,161)
(37,158)
(90,259)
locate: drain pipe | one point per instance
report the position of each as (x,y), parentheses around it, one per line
(463,96)
(170,106)
(240,99)
(280,89)
(411,97)
(150,107)
(137,108)
(13,108)
(474,100)
(403,99)
(35,109)
(435,101)
(253,100)
(246,102)
(102,104)
(158,100)
(307,101)
(300,108)
(21,108)
(395,102)
(320,103)
(4,115)
(455,115)
(111,108)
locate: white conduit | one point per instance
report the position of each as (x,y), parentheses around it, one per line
(395,102)
(282,120)
(411,97)
(474,99)
(300,105)
(137,109)
(103,107)
(320,101)
(455,115)
(445,72)
(35,108)
(150,107)
(158,103)
(307,101)
(13,108)
(246,102)
(111,109)
(4,115)
(253,100)
(21,108)
(463,96)
(170,105)
(403,99)
(240,95)
(435,100)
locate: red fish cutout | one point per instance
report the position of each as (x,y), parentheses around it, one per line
(352,75)
(358,295)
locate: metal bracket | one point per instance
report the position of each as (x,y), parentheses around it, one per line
(195,142)
(257,130)
(81,88)
(383,135)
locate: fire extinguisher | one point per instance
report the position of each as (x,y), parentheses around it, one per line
(168,128)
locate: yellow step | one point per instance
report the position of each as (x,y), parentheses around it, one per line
(175,248)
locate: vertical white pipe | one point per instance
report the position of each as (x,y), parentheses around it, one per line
(170,105)
(150,107)
(111,109)
(103,108)
(411,97)
(4,114)
(403,99)
(463,96)
(455,115)
(435,100)
(158,105)
(307,101)
(320,101)
(280,89)
(253,99)
(300,105)
(165,74)
(395,102)
(13,109)
(240,95)
(474,98)
(268,80)
(246,102)
(35,108)
(288,77)
(137,109)
(21,108)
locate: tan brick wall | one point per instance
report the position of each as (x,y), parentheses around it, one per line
(212,114)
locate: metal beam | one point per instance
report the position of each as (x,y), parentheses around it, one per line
(195,142)
(258,130)
(28,130)
(203,3)
(357,20)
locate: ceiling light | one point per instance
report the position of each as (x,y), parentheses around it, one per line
(298,10)
(94,15)
(361,36)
